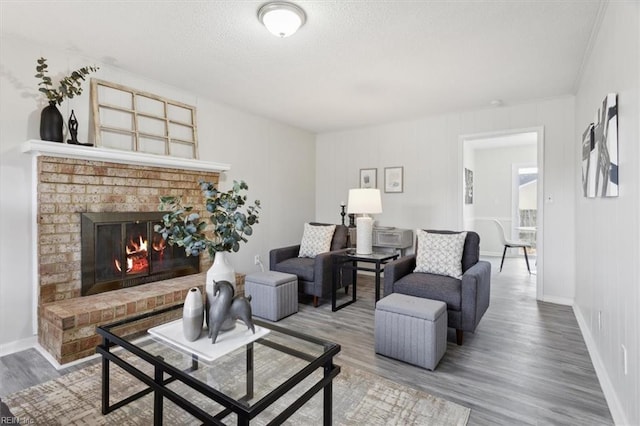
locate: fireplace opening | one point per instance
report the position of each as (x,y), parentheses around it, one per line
(122,250)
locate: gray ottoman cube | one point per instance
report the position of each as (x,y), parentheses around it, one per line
(411,329)
(274,295)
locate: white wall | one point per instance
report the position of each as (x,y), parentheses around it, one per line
(277,162)
(430,152)
(493,183)
(608,230)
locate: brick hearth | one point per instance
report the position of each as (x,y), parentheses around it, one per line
(68,187)
(68,326)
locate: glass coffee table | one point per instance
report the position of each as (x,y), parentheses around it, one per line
(273,375)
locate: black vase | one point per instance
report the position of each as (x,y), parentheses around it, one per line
(51,123)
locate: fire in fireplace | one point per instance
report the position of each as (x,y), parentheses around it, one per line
(122,250)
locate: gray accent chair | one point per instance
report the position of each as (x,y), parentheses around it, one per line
(467,299)
(315,275)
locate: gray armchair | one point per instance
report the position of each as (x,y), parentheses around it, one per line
(467,299)
(315,275)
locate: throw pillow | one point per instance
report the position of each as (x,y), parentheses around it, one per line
(316,239)
(440,253)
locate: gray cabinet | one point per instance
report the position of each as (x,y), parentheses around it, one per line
(387,239)
(392,238)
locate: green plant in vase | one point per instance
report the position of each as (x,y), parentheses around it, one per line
(230,223)
(232,219)
(51,122)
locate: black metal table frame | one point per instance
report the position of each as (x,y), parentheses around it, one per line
(340,262)
(158,384)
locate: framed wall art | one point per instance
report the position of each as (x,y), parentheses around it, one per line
(468,186)
(368,178)
(393,179)
(600,152)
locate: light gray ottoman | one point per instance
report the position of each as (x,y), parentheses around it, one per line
(274,295)
(411,329)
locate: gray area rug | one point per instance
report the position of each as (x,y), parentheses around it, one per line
(359,398)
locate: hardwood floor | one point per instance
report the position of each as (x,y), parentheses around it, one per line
(525,364)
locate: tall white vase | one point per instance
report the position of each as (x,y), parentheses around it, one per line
(192,315)
(221,270)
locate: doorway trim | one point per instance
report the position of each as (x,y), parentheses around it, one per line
(539,130)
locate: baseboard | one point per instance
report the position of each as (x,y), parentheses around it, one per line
(558,300)
(491,254)
(18,345)
(617,412)
(532,257)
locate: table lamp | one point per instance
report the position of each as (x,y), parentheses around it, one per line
(364,201)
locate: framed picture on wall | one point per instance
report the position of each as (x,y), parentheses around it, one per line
(368,178)
(393,179)
(468,186)
(600,152)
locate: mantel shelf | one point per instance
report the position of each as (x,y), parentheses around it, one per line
(55,149)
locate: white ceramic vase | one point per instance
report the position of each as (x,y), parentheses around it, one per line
(221,270)
(192,314)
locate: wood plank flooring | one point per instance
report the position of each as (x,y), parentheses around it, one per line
(525,364)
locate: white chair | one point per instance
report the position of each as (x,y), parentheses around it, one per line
(511,243)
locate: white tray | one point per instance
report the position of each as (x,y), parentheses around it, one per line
(226,342)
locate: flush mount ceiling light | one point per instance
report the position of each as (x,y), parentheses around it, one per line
(282,18)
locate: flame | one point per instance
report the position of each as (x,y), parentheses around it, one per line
(137,247)
(159,245)
(137,260)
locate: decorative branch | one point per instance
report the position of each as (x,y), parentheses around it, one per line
(231,225)
(68,87)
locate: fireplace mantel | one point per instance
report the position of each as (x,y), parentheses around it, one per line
(56,149)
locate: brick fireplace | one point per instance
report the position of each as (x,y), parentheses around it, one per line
(67,187)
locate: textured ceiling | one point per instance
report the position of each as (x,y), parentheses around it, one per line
(354,63)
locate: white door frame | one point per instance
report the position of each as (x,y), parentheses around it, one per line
(539,130)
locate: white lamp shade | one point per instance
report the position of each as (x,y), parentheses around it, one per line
(364,201)
(281,18)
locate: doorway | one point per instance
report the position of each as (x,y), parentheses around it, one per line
(524,209)
(501,175)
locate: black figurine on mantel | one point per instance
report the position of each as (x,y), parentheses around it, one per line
(73,131)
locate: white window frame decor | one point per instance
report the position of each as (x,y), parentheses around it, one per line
(179,134)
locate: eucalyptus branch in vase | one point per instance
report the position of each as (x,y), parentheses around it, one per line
(51,121)
(68,87)
(231,216)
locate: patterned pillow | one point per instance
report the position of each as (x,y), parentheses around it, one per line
(316,240)
(440,253)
